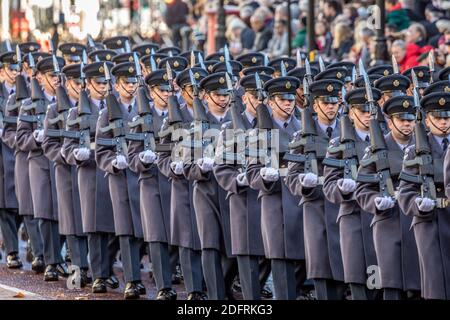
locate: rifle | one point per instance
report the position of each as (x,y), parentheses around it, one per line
(63,105)
(145,119)
(308,140)
(115,118)
(37,106)
(423,158)
(85,120)
(378,148)
(347,146)
(431,65)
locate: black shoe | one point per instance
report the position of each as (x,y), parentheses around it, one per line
(176,276)
(99,286)
(51,273)
(13,261)
(131,291)
(197,296)
(38,265)
(112,282)
(266,292)
(62,270)
(85,276)
(236,285)
(67,258)
(166,294)
(140,286)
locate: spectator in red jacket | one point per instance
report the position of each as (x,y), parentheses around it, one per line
(406,55)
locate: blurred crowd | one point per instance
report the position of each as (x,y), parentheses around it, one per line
(344,30)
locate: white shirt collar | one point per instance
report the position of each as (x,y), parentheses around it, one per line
(97,102)
(160,112)
(324,127)
(362,134)
(439,139)
(218,118)
(281,123)
(250,118)
(402,146)
(190,110)
(48,96)
(9,88)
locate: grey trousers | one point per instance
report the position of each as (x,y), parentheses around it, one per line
(51,240)
(99,255)
(34,234)
(249,276)
(129,252)
(191,265)
(78,250)
(162,268)
(9,228)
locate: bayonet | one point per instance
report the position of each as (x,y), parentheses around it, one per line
(169,76)
(321,64)
(127,46)
(200,61)
(152,64)
(192,59)
(395,65)
(283,69)
(8,45)
(299,59)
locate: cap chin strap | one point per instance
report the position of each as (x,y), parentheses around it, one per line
(214,101)
(398,130)
(443,131)
(95,89)
(252,105)
(72,87)
(165,102)
(326,116)
(131,93)
(282,110)
(51,86)
(359,120)
(9,77)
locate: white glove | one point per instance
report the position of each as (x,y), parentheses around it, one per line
(346,185)
(120,162)
(1,132)
(424,204)
(38,135)
(308,180)
(241,180)
(269,174)
(147,156)
(177,167)
(81,154)
(384,203)
(206,164)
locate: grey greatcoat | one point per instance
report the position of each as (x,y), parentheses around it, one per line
(431,230)
(210,203)
(245,209)
(8,197)
(395,244)
(281,218)
(21,171)
(69,210)
(95,200)
(154,190)
(322,245)
(183,224)
(126,222)
(41,170)
(356,239)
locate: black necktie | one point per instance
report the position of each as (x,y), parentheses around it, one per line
(444,144)
(129,108)
(102,104)
(254,123)
(329,132)
(53,99)
(12,91)
(163,114)
(367,139)
(285,124)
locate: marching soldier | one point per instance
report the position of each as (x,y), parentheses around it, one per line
(210,203)
(183,223)
(95,199)
(68,198)
(21,168)
(305,179)
(280,219)
(394,242)
(340,168)
(245,210)
(30,135)
(72,52)
(154,186)
(424,199)
(8,200)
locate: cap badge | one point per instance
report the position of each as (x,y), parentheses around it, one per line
(108,57)
(158,60)
(338,75)
(101,69)
(31,48)
(222,80)
(176,64)
(119,42)
(222,58)
(254,60)
(288,85)
(210,67)
(405,104)
(441,101)
(420,74)
(131,59)
(130,69)
(73,49)
(196,75)
(396,83)
(447,89)
(147,51)
(330,88)
(386,72)
(165,76)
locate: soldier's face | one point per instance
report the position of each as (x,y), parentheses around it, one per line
(281,108)
(217,103)
(9,75)
(326,111)
(126,89)
(300,98)
(360,119)
(438,126)
(251,102)
(188,95)
(51,81)
(97,90)
(405,127)
(73,88)
(159,97)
